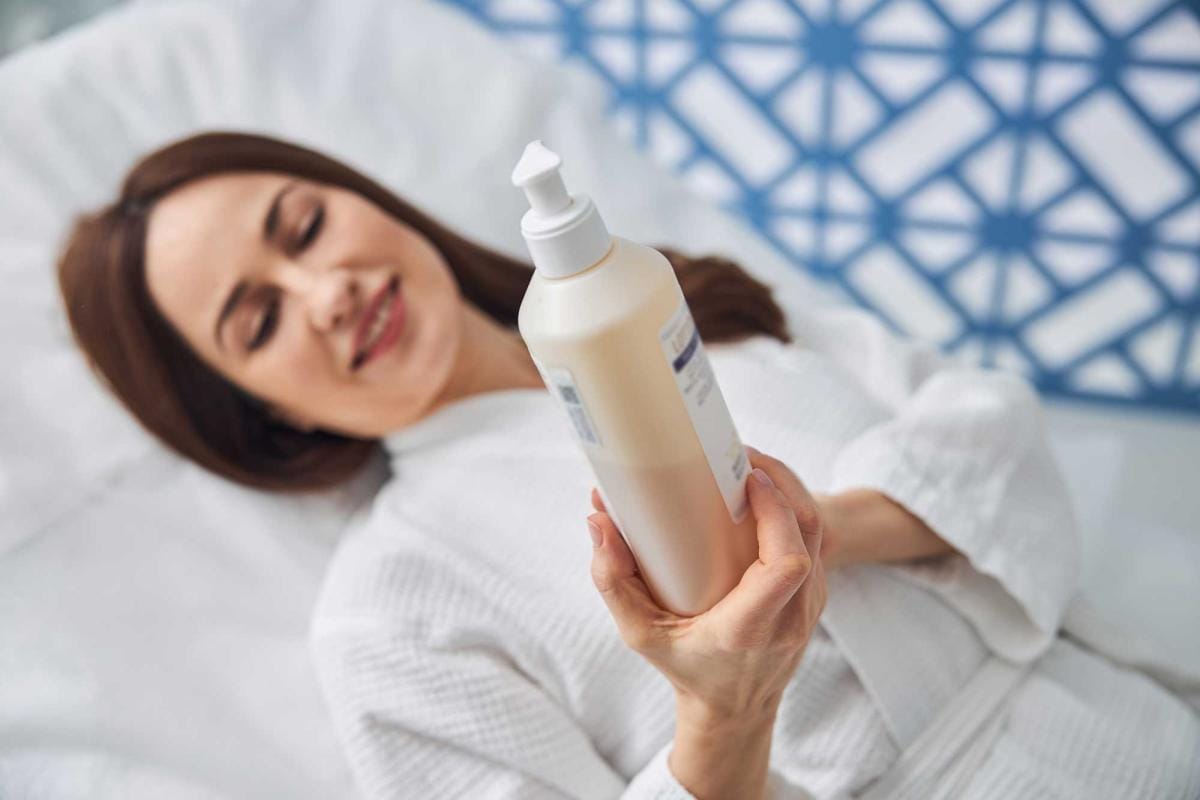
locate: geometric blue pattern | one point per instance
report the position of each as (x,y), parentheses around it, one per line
(1017,180)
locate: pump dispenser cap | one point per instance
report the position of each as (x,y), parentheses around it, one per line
(564,232)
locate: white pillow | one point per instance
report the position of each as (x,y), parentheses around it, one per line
(367,82)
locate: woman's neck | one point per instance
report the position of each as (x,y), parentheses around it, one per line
(491,358)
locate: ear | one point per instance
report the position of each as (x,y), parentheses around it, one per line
(296,421)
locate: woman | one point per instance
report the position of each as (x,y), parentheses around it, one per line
(275,316)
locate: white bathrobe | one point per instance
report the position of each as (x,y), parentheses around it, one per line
(464,651)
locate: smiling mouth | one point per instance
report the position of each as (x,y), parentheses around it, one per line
(379,323)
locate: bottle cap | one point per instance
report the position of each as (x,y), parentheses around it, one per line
(564,232)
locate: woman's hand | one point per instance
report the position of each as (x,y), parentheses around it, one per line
(837,512)
(729,665)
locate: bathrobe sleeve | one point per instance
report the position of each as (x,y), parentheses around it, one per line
(966,450)
(418,721)
(438,721)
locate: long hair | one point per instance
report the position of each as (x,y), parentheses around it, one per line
(200,414)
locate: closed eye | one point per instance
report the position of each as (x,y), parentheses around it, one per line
(316,220)
(266,327)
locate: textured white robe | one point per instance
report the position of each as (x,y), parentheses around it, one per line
(464,651)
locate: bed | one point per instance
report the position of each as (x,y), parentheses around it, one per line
(153,617)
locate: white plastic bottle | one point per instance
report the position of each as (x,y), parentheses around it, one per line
(612,335)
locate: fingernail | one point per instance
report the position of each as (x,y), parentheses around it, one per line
(762,477)
(594,529)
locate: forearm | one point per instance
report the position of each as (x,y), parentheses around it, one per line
(867,526)
(715,758)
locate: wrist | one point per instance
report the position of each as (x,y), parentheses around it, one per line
(702,721)
(870,527)
(716,755)
(840,521)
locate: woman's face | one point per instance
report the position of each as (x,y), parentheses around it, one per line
(308,296)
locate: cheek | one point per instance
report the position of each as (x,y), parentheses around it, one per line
(441,309)
(293,366)
(432,287)
(436,346)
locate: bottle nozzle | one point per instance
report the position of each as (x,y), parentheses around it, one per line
(564,232)
(537,173)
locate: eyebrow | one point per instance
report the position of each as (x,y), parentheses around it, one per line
(270,225)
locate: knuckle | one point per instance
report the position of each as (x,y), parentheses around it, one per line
(635,637)
(792,568)
(808,516)
(793,638)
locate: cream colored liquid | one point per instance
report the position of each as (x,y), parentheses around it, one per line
(603,325)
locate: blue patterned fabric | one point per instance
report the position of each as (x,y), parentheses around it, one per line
(1018,180)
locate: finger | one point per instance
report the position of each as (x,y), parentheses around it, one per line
(755,607)
(597,501)
(782,566)
(803,611)
(614,572)
(815,593)
(804,505)
(813,589)
(779,533)
(787,481)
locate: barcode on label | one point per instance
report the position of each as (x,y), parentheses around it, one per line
(582,425)
(563,385)
(739,464)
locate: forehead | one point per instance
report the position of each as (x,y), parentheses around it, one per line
(201,238)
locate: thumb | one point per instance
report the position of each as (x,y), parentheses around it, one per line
(614,572)
(783,561)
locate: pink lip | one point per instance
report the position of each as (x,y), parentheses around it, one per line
(364,322)
(396,315)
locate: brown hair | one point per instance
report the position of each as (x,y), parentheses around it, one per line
(206,418)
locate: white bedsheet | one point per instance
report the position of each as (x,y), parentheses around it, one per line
(151,616)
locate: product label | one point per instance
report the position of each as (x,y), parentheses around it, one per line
(561,384)
(706,406)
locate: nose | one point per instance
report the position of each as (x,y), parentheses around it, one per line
(329,294)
